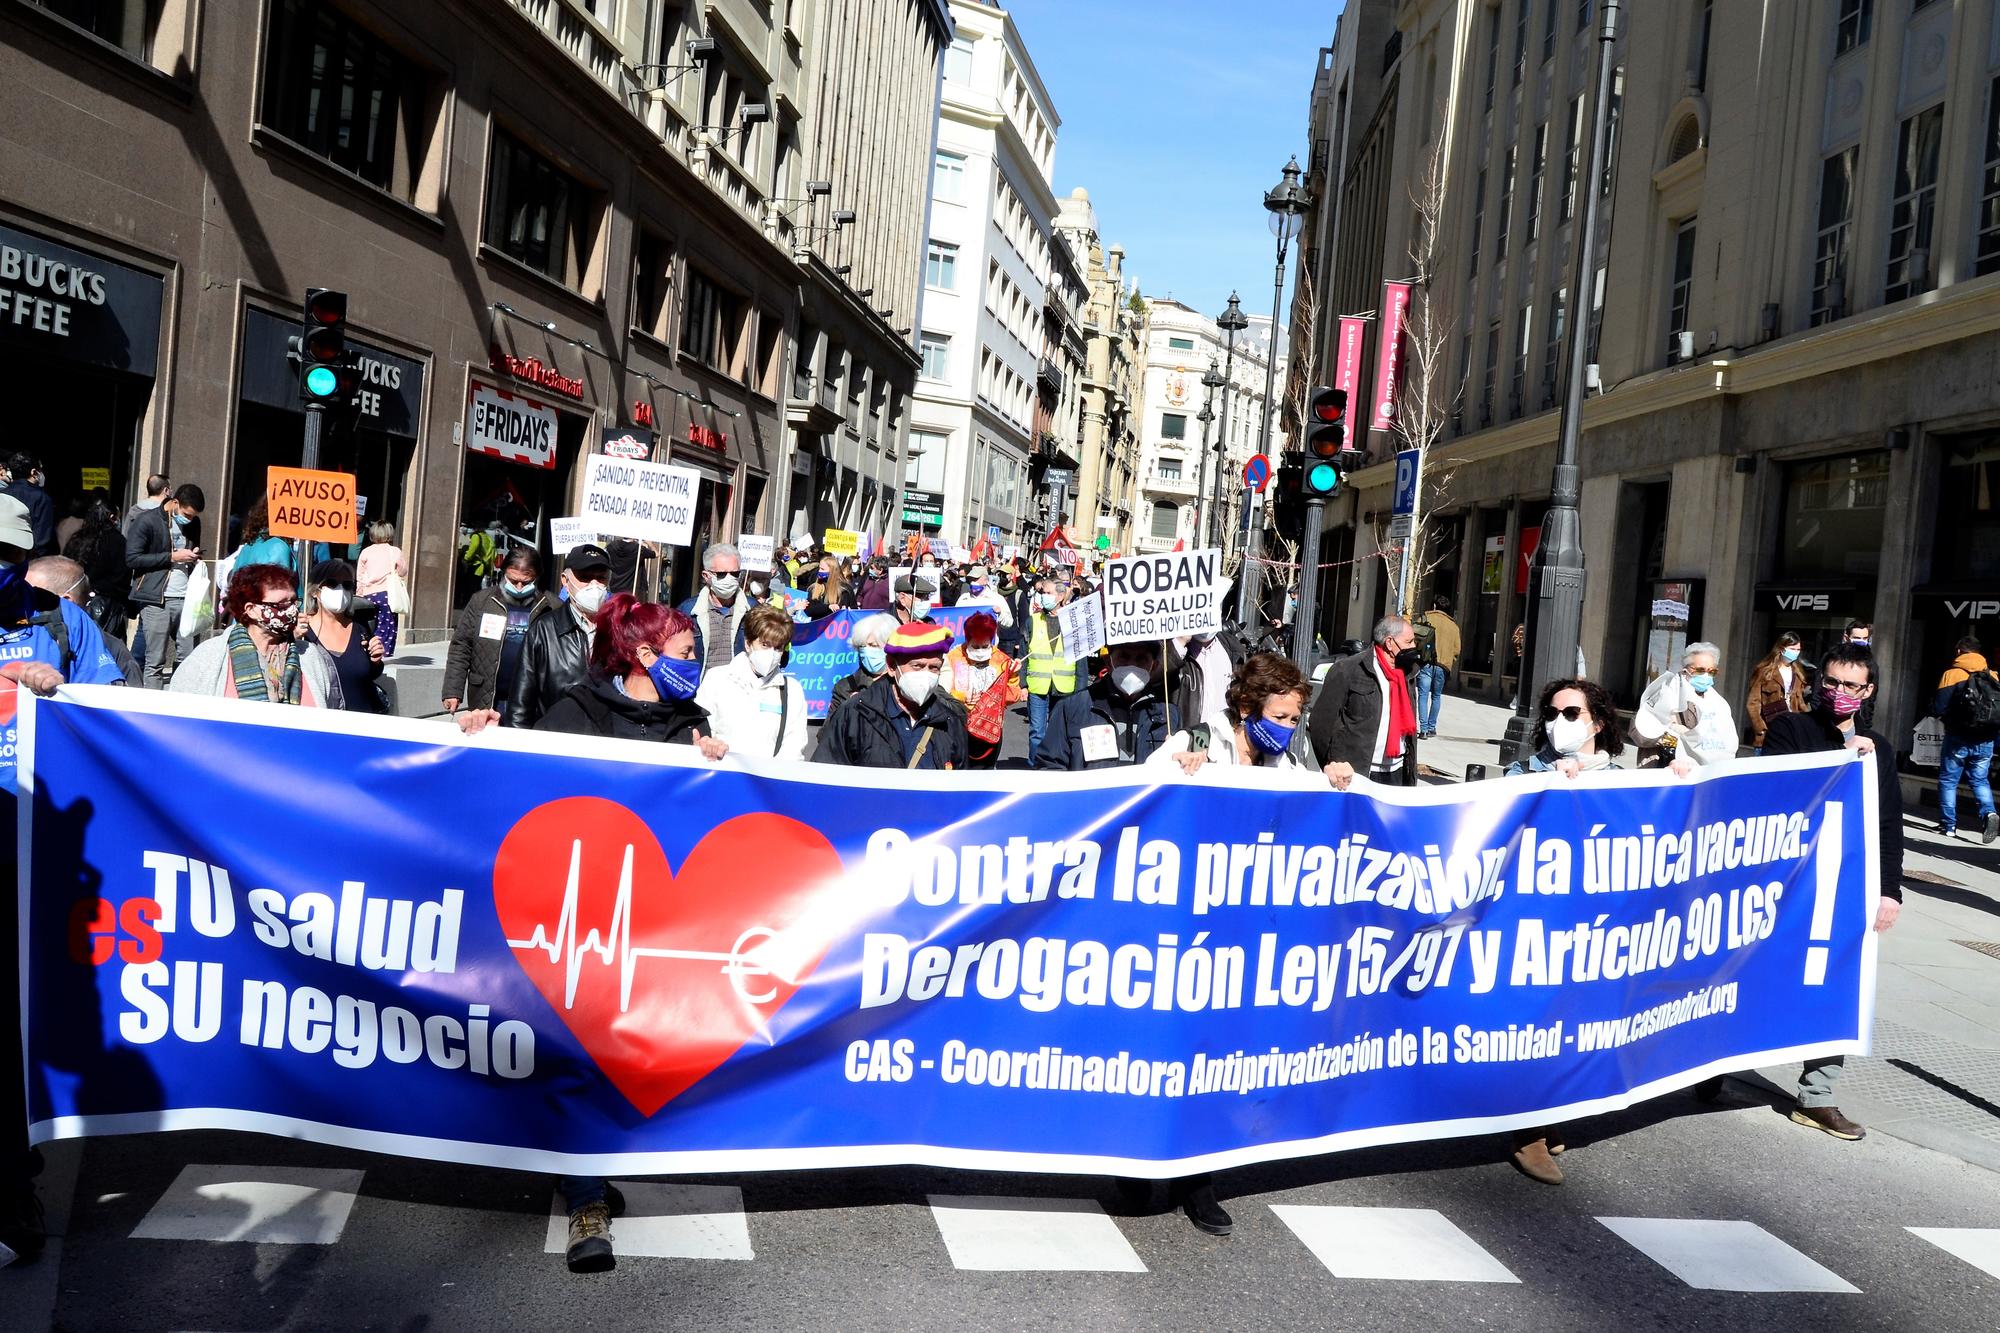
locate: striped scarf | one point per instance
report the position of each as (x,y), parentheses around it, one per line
(246,666)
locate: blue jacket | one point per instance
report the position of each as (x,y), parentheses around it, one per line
(1101,705)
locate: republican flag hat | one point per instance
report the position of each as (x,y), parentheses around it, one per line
(918,640)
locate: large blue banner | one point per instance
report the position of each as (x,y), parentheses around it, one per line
(566,953)
(823,650)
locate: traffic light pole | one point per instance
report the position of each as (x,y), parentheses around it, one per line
(1556,577)
(309,459)
(1305,622)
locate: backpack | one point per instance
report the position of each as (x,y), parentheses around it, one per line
(52,621)
(1975,707)
(1427,642)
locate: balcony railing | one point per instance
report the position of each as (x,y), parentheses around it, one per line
(1170,485)
(1050,374)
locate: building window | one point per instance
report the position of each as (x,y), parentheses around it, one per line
(1680,294)
(1573,159)
(1836,219)
(924,470)
(935,350)
(1549,29)
(1704,20)
(1173,425)
(1552,351)
(1500,228)
(652,282)
(1537,172)
(1582,14)
(770,365)
(1492,58)
(1492,374)
(941,267)
(126,24)
(338,91)
(1166,520)
(1180,344)
(1914,212)
(949,184)
(1520,40)
(958,61)
(1169,467)
(1517,402)
(535,211)
(1852,26)
(1595,332)
(712,325)
(1989,200)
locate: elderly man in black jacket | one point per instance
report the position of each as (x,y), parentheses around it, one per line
(903,720)
(1122,718)
(556,655)
(1365,718)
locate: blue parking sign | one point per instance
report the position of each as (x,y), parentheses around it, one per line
(1406,482)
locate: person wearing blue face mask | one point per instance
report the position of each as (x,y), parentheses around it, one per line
(1253,729)
(870,638)
(1687,707)
(1777,687)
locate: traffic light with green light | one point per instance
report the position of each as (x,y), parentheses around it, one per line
(328,375)
(1326,453)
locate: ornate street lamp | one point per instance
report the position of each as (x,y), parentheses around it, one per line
(1287,203)
(1231,321)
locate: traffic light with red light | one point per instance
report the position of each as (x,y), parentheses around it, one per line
(1326,452)
(328,375)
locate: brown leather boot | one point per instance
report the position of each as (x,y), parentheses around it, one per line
(1829,1120)
(1534,1162)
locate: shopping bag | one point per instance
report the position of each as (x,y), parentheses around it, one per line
(198,607)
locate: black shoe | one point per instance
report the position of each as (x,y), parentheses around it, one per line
(1989,827)
(1205,1211)
(1708,1089)
(23,1232)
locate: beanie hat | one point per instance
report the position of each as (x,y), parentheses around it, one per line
(919,640)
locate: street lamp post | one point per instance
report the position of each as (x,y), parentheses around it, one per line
(1209,383)
(1287,203)
(1231,321)
(1555,578)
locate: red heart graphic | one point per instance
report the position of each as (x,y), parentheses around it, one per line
(661,975)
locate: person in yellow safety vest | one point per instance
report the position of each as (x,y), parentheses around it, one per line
(1050,675)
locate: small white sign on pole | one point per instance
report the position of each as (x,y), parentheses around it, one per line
(756,552)
(927,578)
(651,502)
(1163,596)
(566,534)
(1082,623)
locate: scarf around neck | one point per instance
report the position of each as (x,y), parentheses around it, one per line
(1402,713)
(246,668)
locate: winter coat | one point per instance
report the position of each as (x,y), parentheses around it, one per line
(1813,732)
(554,661)
(1962,669)
(472,663)
(602,708)
(863,733)
(696,608)
(1148,716)
(847,687)
(764,719)
(1767,690)
(1346,719)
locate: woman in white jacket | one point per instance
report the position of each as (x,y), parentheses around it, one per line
(1263,705)
(752,703)
(1686,705)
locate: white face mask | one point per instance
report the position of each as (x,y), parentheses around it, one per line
(979,654)
(589,598)
(1567,737)
(1129,680)
(333,599)
(763,661)
(917,685)
(724,585)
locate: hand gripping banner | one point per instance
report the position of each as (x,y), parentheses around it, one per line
(569,954)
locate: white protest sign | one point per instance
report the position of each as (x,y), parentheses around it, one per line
(927,577)
(1082,624)
(566,534)
(1163,596)
(651,502)
(756,552)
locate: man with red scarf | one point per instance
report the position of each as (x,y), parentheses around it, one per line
(1365,719)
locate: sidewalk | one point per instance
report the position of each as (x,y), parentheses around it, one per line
(1934,1077)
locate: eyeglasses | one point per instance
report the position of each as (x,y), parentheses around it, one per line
(1853,689)
(1570,714)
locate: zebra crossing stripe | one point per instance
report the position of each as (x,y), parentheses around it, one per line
(998,1234)
(1403,1244)
(1724,1255)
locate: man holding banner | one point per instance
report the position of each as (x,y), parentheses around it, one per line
(903,720)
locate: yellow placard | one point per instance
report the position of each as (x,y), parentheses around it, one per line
(97,478)
(313,506)
(839,541)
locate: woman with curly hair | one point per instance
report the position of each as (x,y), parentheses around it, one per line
(260,657)
(1576,731)
(1262,707)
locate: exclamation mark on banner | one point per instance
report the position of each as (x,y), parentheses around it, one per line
(1826,890)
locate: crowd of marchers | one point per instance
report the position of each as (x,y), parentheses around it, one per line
(571,655)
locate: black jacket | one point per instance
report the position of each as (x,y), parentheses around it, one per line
(1347,715)
(863,733)
(1148,717)
(41,514)
(149,553)
(1813,732)
(600,708)
(554,661)
(1189,705)
(472,663)
(847,687)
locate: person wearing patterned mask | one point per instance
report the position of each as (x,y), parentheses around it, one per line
(753,703)
(261,657)
(903,720)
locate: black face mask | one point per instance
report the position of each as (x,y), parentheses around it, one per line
(1408,660)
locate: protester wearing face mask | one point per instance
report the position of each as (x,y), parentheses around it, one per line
(1121,718)
(972,672)
(979,592)
(903,720)
(261,657)
(1777,687)
(1847,683)
(45,641)
(1201,667)
(913,600)
(1686,706)
(343,623)
(1262,707)
(1365,719)
(718,609)
(870,639)
(555,656)
(161,545)
(64,578)
(1051,676)
(491,634)
(753,703)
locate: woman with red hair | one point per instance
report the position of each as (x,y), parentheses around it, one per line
(260,657)
(971,672)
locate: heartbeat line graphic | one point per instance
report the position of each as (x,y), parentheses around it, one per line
(616,945)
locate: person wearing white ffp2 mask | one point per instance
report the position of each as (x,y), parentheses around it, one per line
(1576,731)
(903,720)
(1122,718)
(753,704)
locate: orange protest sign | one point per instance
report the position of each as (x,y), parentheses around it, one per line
(313,506)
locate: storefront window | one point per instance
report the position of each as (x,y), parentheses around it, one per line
(1833,516)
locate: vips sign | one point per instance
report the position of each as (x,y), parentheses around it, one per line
(652,502)
(313,506)
(515,429)
(625,960)
(1163,596)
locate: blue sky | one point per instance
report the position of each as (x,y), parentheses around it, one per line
(1177,115)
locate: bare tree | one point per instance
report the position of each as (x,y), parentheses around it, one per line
(1429,400)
